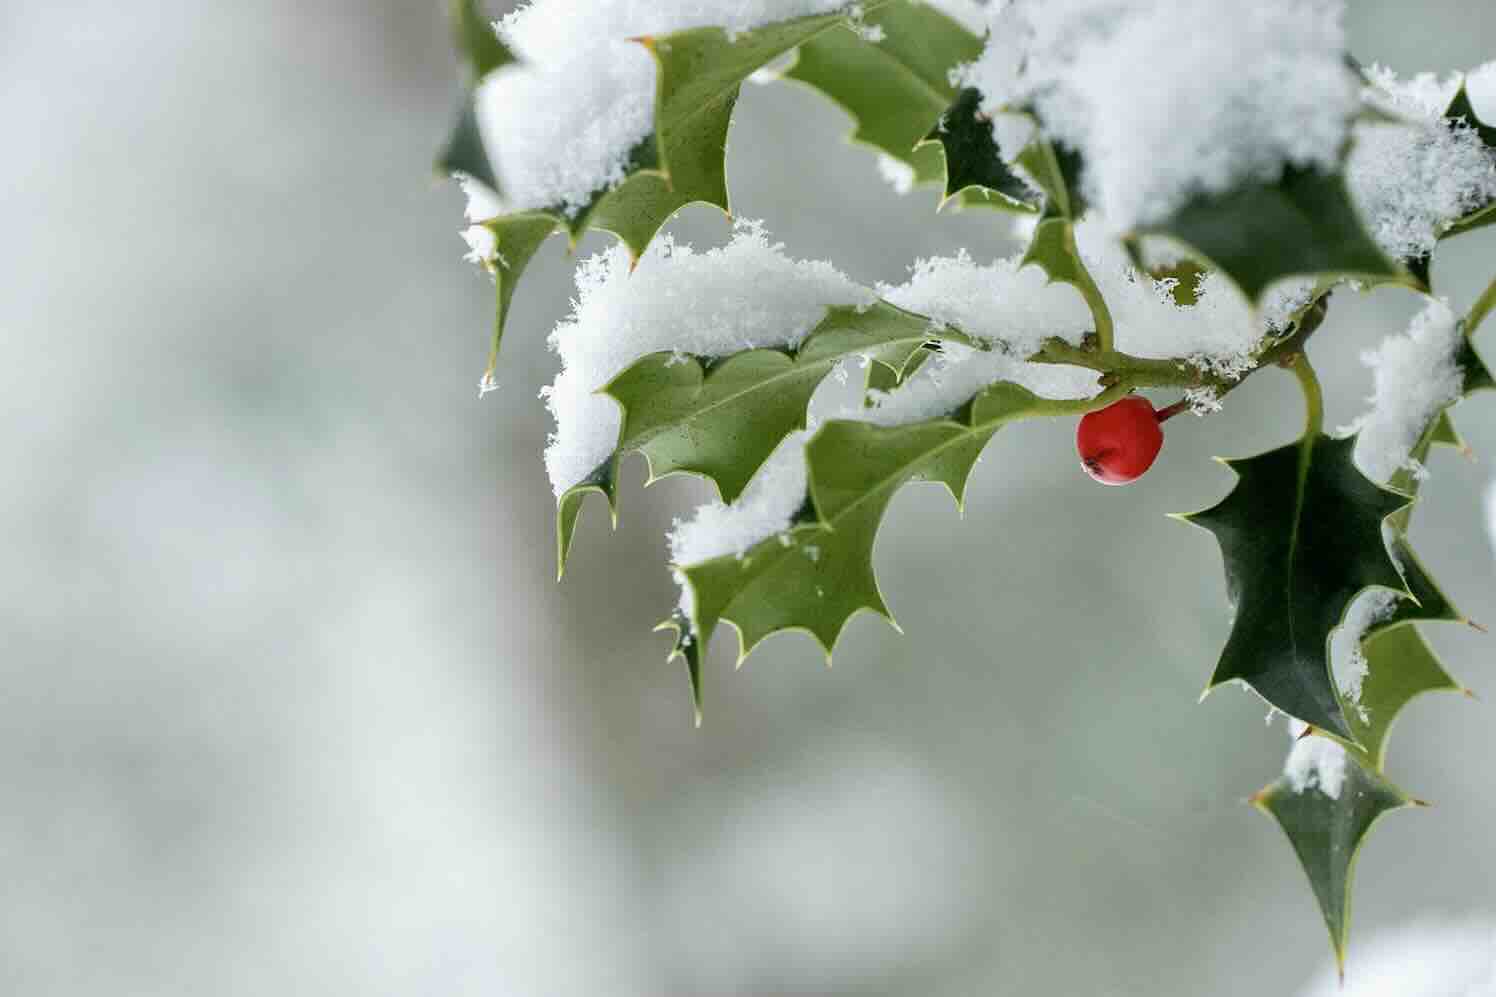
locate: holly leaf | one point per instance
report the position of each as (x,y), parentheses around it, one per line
(476,40)
(1400,664)
(1304,224)
(721,417)
(699,74)
(1301,536)
(482,52)
(1056,169)
(1327,833)
(819,574)
(602,481)
(973,162)
(517,238)
(1460,109)
(895,88)
(1401,667)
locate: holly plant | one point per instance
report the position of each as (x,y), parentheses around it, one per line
(1181,240)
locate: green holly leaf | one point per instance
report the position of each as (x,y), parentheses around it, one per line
(1301,536)
(1056,169)
(721,417)
(1479,218)
(688,649)
(973,161)
(1401,667)
(896,88)
(482,52)
(1327,833)
(476,40)
(1304,224)
(517,238)
(699,74)
(1054,249)
(603,481)
(819,574)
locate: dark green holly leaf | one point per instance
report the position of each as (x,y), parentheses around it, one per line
(1460,109)
(1304,224)
(464,153)
(1327,832)
(721,417)
(896,88)
(972,158)
(1301,536)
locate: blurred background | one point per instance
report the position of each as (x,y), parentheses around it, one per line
(292,703)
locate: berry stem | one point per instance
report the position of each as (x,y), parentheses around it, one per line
(1170,411)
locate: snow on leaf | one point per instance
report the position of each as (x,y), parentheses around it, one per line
(709,359)
(679,160)
(721,417)
(1301,536)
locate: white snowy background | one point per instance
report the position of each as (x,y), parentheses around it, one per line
(292,704)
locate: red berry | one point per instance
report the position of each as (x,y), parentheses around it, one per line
(1118,443)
